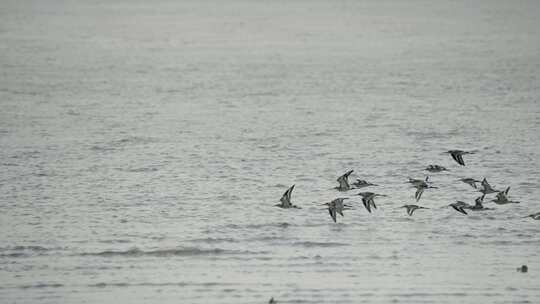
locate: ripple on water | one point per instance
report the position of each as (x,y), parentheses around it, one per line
(309,244)
(19,251)
(163,284)
(189,251)
(41,285)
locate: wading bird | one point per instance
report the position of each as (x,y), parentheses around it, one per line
(344,181)
(486,187)
(457,155)
(502,198)
(368,199)
(478,206)
(436,168)
(534,216)
(412,208)
(336,207)
(459,207)
(360,183)
(286,199)
(470,181)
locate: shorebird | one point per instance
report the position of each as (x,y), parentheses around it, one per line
(436,168)
(336,207)
(286,199)
(502,198)
(534,216)
(360,183)
(412,208)
(344,181)
(486,187)
(368,199)
(459,207)
(478,206)
(272,301)
(420,187)
(470,181)
(416,182)
(457,155)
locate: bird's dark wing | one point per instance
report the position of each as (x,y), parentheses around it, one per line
(418,193)
(460,159)
(366,204)
(372,202)
(332,212)
(454,156)
(459,209)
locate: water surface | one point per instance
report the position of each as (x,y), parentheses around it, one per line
(145,144)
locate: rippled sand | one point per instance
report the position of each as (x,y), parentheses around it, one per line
(144,146)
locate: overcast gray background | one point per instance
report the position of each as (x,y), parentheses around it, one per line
(144,144)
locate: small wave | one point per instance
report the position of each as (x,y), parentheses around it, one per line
(41,285)
(22,251)
(122,143)
(14,255)
(101,148)
(266,238)
(138,170)
(214,240)
(134,140)
(135,252)
(27,155)
(181,284)
(115,241)
(258,226)
(30,248)
(279,225)
(319,244)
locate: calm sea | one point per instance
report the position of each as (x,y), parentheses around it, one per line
(144,144)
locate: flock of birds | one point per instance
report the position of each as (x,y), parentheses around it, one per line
(338,205)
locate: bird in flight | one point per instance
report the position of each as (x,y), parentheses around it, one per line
(478,206)
(344,181)
(416,182)
(336,207)
(457,155)
(360,183)
(412,208)
(368,199)
(459,207)
(470,181)
(436,168)
(286,199)
(420,189)
(486,187)
(420,186)
(502,198)
(534,216)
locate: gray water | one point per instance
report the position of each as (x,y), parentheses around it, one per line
(144,145)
